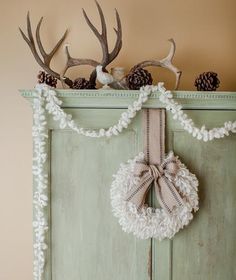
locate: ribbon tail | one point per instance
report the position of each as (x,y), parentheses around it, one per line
(138,193)
(167,195)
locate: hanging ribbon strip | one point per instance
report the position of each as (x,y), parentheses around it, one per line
(154,169)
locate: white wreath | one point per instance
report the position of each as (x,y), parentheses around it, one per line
(149,222)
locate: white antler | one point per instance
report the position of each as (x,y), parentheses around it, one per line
(165,63)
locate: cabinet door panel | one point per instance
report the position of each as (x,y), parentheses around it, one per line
(206,249)
(86,240)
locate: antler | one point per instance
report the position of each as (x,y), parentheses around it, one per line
(107,57)
(71,62)
(165,63)
(102,37)
(46,58)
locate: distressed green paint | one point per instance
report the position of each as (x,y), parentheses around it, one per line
(206,249)
(86,240)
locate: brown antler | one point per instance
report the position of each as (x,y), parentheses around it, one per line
(165,63)
(71,62)
(107,57)
(44,62)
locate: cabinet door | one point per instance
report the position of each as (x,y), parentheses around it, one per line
(86,240)
(206,249)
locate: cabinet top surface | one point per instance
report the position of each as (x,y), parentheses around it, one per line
(122,98)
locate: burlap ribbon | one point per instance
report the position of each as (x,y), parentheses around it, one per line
(161,175)
(155,169)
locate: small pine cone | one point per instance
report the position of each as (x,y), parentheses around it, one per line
(47,79)
(138,77)
(207,81)
(82,83)
(41,77)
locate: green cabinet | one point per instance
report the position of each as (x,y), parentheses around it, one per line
(85,240)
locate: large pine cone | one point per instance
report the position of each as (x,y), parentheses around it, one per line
(138,77)
(82,83)
(207,81)
(48,79)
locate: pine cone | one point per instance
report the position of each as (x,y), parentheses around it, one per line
(138,77)
(207,81)
(82,83)
(47,79)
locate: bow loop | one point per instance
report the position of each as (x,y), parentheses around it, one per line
(166,193)
(141,167)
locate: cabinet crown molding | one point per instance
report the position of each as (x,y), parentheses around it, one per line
(122,98)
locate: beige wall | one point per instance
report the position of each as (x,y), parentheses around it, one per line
(204,31)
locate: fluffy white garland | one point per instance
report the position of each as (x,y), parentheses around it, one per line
(65,120)
(202,133)
(149,222)
(166,97)
(40,198)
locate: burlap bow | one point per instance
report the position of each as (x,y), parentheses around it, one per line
(166,193)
